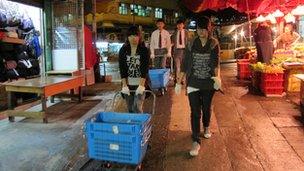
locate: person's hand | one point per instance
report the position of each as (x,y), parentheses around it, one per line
(178,88)
(125,90)
(152,56)
(140,90)
(217,83)
(168,55)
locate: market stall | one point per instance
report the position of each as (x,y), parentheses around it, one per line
(21,49)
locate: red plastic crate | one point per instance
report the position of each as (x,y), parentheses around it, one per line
(272,84)
(272,77)
(273,91)
(244,75)
(243,67)
(243,60)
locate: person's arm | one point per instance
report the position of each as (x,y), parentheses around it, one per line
(296,38)
(123,68)
(152,43)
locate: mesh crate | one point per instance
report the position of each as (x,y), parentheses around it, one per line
(159,78)
(272,83)
(243,66)
(272,76)
(118,137)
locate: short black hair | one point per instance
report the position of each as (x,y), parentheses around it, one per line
(133,30)
(203,22)
(160,20)
(180,21)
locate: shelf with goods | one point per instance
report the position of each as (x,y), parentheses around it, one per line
(20,48)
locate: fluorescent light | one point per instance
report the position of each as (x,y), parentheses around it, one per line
(235,37)
(271,18)
(278,13)
(260,18)
(299,10)
(289,18)
(242,33)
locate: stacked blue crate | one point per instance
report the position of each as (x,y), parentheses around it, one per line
(118,137)
(159,78)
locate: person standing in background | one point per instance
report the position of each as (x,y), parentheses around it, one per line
(179,41)
(263,37)
(160,45)
(288,38)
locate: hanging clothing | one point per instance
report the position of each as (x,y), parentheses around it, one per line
(90,54)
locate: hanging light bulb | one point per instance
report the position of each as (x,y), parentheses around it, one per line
(299,10)
(278,13)
(260,18)
(289,18)
(271,18)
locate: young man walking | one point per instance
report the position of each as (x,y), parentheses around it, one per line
(160,45)
(179,40)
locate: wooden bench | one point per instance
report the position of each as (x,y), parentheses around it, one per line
(45,87)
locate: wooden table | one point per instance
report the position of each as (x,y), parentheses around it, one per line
(45,87)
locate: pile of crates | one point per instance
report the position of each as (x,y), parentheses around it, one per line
(159,78)
(243,70)
(272,83)
(118,137)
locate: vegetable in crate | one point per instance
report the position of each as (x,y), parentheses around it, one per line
(273,69)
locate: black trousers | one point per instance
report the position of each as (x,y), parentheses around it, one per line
(200,104)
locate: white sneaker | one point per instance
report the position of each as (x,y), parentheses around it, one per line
(207,133)
(195,149)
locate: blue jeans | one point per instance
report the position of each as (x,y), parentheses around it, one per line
(135,103)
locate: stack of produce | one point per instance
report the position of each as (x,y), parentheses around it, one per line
(272,78)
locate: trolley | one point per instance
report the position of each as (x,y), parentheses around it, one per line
(160,78)
(119,138)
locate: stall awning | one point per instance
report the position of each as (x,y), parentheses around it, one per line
(249,6)
(36,3)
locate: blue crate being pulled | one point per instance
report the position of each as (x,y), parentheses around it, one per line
(159,78)
(118,137)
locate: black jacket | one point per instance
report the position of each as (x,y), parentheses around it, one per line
(144,60)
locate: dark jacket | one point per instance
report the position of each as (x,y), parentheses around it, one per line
(212,47)
(144,60)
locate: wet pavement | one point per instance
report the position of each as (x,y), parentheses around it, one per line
(250,132)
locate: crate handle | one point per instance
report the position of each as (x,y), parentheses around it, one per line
(145,92)
(146,138)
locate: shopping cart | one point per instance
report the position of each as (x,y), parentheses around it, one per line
(161,77)
(119,139)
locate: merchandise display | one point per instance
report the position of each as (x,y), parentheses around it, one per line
(20,48)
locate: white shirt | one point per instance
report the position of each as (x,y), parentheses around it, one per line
(180,46)
(165,42)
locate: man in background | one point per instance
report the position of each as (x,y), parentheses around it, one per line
(160,45)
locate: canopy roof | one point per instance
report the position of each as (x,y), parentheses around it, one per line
(248,6)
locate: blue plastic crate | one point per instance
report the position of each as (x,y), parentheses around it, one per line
(118,137)
(159,78)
